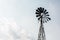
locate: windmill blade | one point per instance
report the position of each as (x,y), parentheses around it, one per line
(40,8)
(45,10)
(37,15)
(37,10)
(49,18)
(46,13)
(39,18)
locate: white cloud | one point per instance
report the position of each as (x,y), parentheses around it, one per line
(5,28)
(10,31)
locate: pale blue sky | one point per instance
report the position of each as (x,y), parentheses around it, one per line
(23,12)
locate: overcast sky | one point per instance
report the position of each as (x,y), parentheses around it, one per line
(20,15)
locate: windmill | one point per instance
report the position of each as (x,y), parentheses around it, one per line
(43,17)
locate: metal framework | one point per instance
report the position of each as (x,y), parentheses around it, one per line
(43,17)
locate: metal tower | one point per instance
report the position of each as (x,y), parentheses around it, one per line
(43,17)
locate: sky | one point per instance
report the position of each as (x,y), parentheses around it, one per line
(18,19)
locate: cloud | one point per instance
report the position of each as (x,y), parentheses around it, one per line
(9,30)
(6,27)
